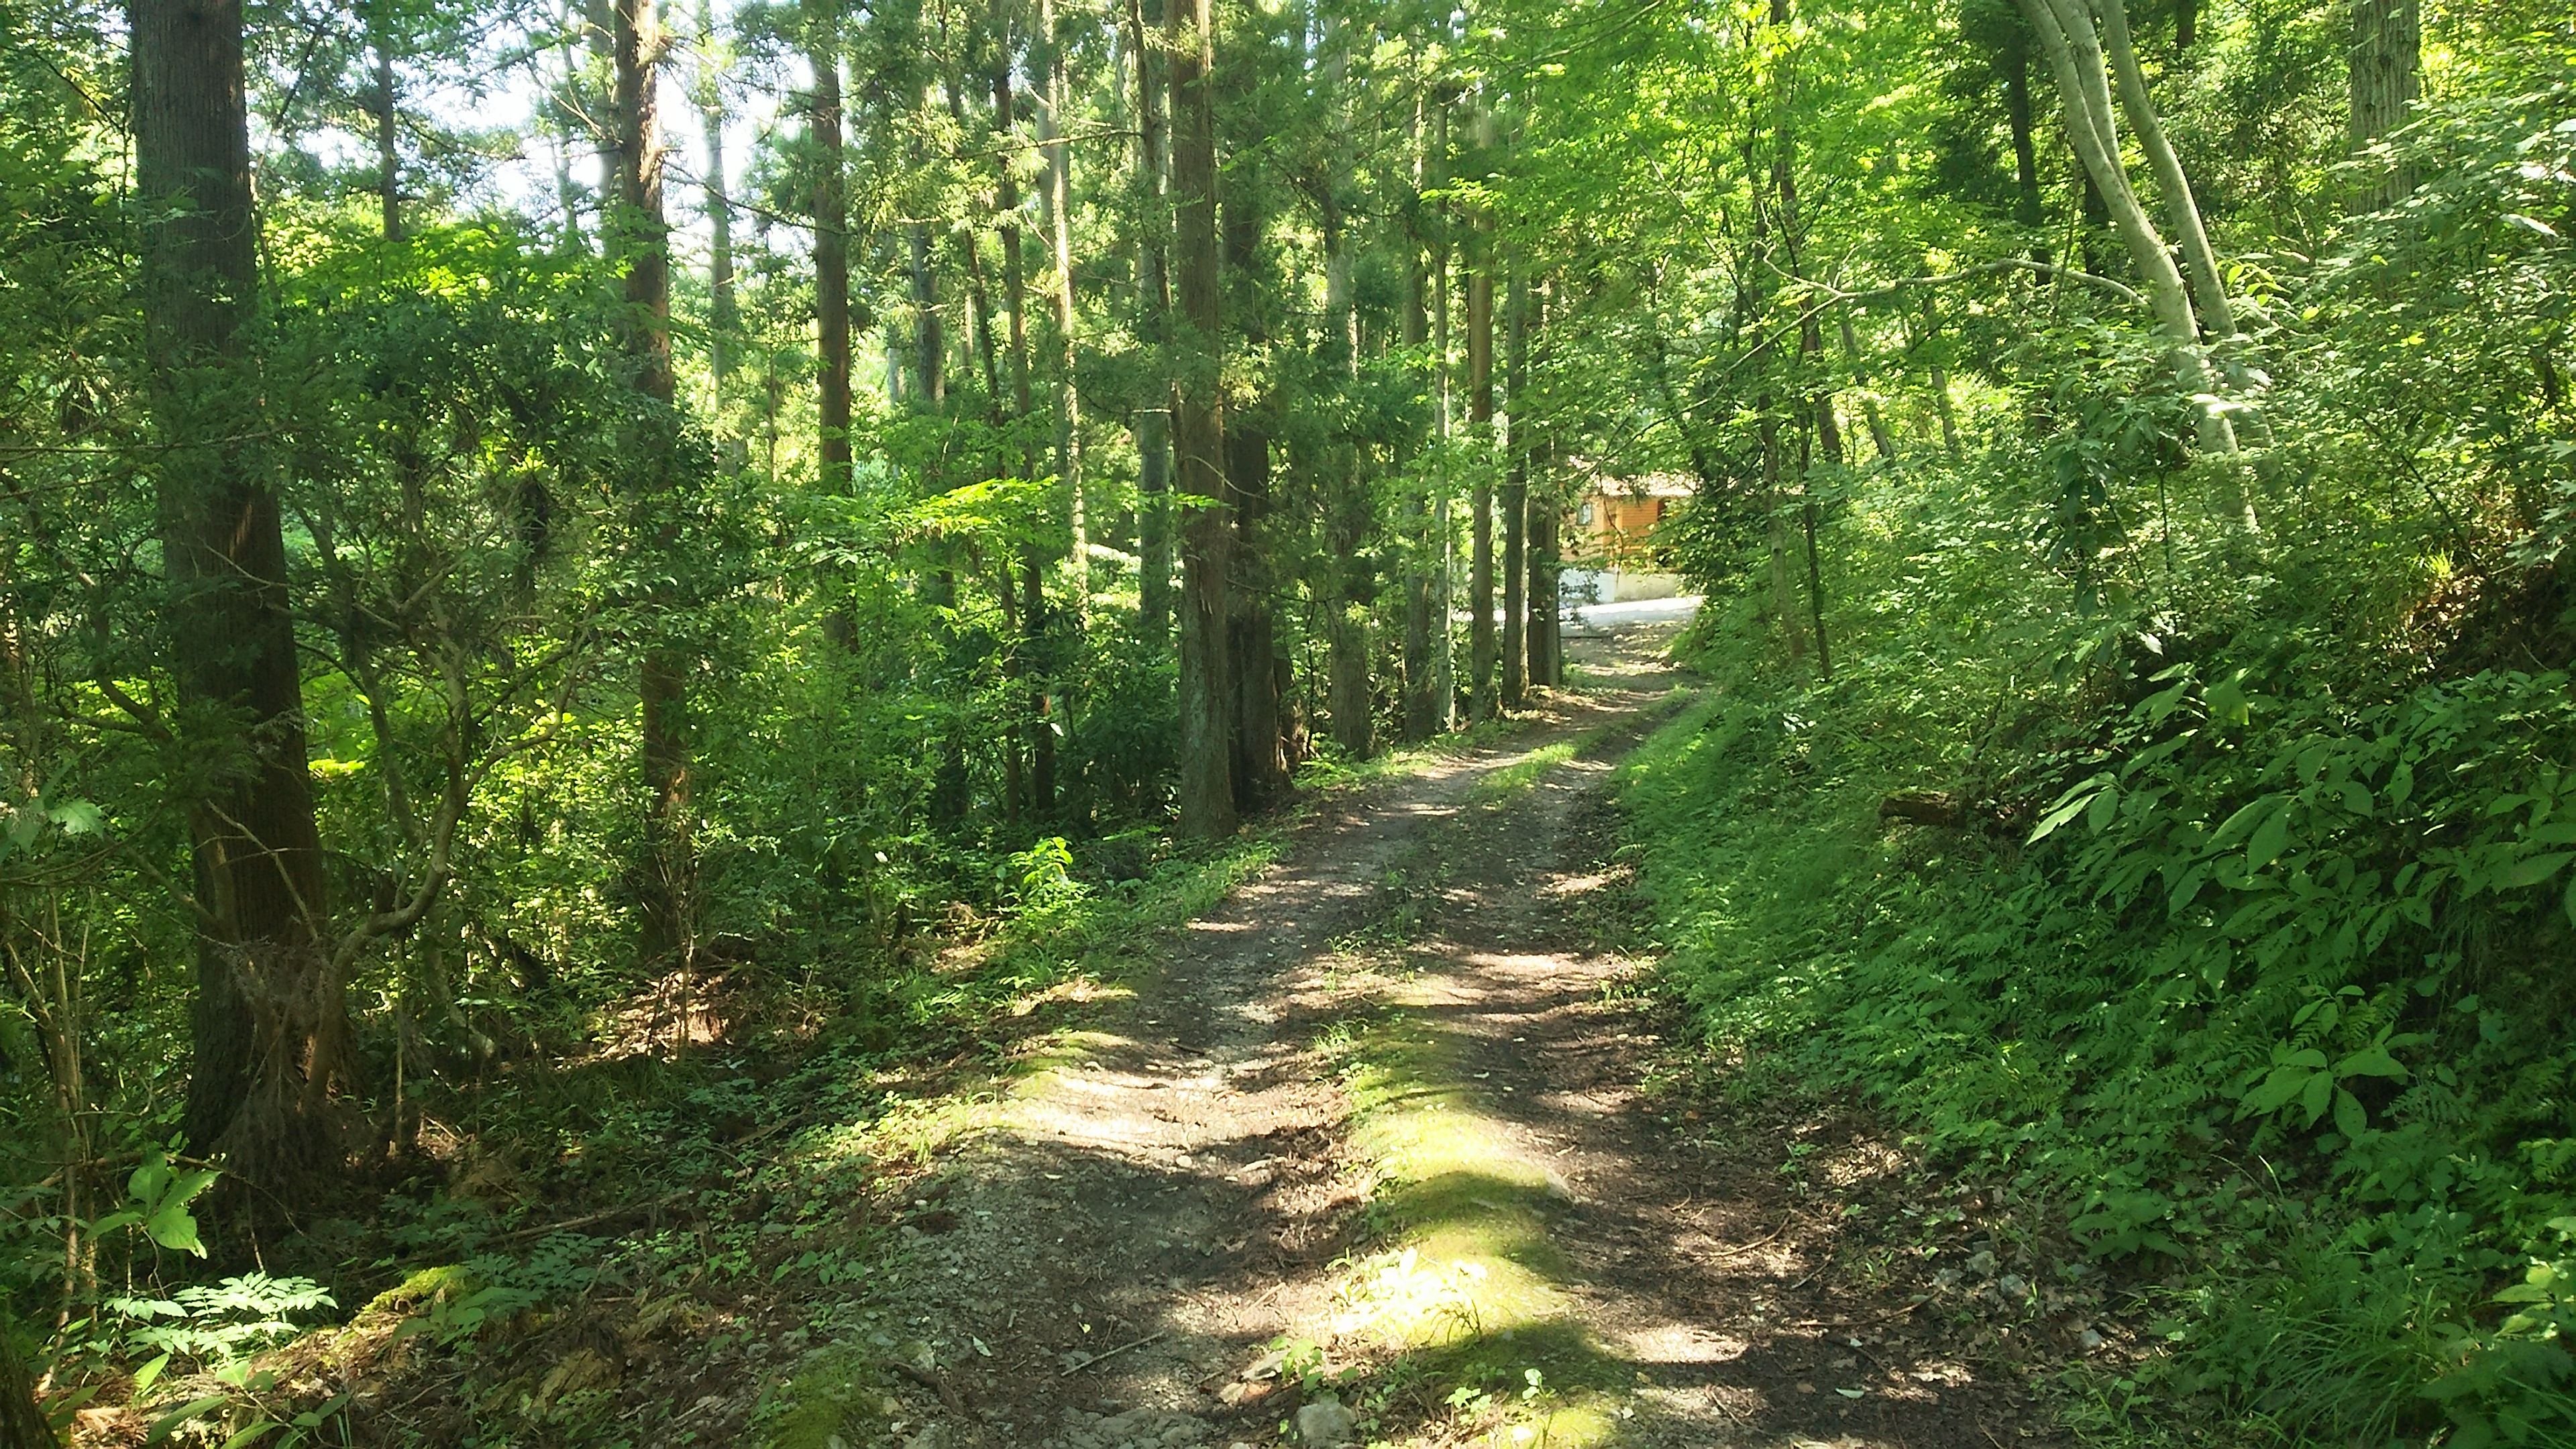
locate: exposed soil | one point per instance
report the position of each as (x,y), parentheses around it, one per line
(1412,1053)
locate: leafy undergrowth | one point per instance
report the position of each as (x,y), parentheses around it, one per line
(653,1231)
(2264,997)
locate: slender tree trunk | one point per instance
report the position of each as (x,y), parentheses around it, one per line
(1879,437)
(1811,342)
(1153,328)
(831,243)
(2387,76)
(1941,405)
(1261,762)
(1207,806)
(1068,402)
(388,147)
(271,1025)
(1546,516)
(2030,210)
(639,239)
(1444,651)
(1481,651)
(1421,718)
(1035,728)
(1349,590)
(1515,686)
(724,317)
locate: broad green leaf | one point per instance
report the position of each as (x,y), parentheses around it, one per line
(171,1422)
(2349,1118)
(2105,805)
(2534,870)
(2270,839)
(146,1376)
(2371,1061)
(2316,1094)
(2277,1089)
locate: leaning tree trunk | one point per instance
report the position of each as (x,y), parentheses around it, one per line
(2387,75)
(1198,432)
(2075,58)
(639,240)
(2209,289)
(270,1020)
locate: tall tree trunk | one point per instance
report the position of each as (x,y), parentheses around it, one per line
(831,243)
(1481,654)
(1775,507)
(1029,659)
(1349,589)
(1207,807)
(2387,76)
(2029,208)
(1421,718)
(380,43)
(1068,401)
(724,317)
(639,240)
(1261,761)
(1444,653)
(1515,687)
(1546,517)
(271,1025)
(1811,339)
(1153,328)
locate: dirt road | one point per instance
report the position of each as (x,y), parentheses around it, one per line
(1369,1157)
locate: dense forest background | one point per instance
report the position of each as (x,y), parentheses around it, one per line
(550,546)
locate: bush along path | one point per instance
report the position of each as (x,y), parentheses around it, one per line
(1379,1151)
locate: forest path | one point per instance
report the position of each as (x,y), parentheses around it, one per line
(1375,1128)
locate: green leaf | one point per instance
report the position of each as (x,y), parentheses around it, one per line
(171,1422)
(77,817)
(252,1435)
(2270,839)
(2098,814)
(2228,702)
(2349,1118)
(148,1375)
(2538,868)
(2048,823)
(2277,1089)
(2316,1095)
(2371,1061)
(2247,816)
